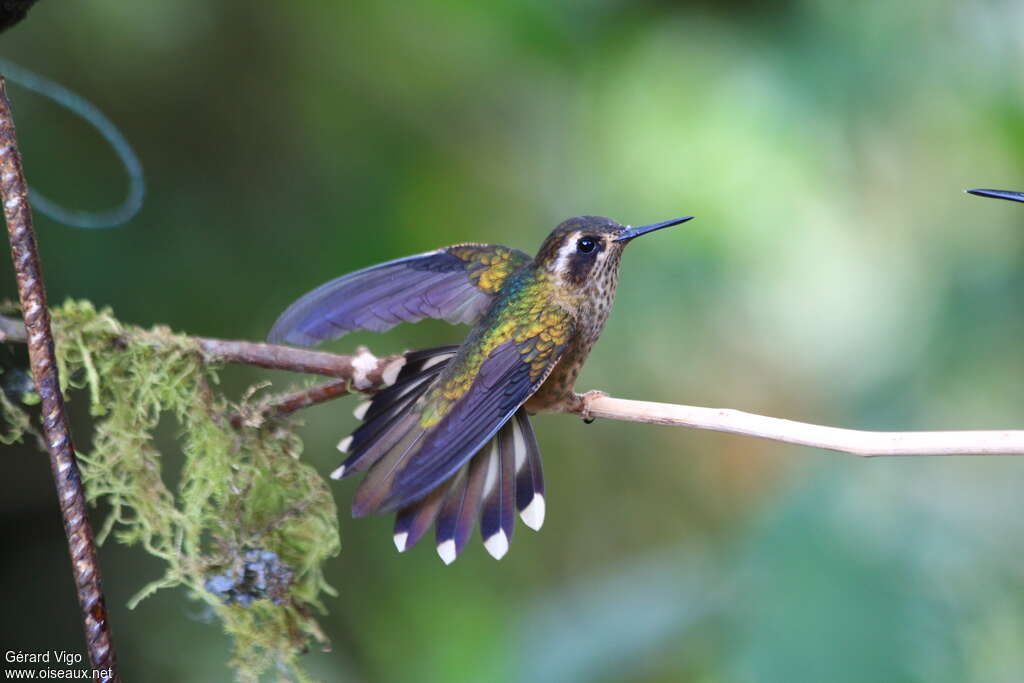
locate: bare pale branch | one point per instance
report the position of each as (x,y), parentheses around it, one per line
(863,443)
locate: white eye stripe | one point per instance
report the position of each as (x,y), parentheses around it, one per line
(564,252)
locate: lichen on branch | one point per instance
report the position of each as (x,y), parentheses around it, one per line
(243,492)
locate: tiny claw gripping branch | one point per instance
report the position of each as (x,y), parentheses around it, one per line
(585,402)
(32,293)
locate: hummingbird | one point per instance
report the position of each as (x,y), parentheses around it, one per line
(999,194)
(450,441)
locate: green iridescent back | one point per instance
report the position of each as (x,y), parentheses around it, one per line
(525,314)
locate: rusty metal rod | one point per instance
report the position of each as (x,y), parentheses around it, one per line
(70,495)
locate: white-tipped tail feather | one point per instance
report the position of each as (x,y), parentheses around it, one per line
(447,551)
(344,444)
(390,373)
(360,411)
(400,541)
(497,545)
(533,514)
(338,473)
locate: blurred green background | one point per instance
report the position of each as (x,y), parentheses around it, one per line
(835,274)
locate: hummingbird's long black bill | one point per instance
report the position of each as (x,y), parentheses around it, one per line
(630,233)
(999,194)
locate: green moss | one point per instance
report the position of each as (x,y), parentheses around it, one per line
(14,421)
(242,489)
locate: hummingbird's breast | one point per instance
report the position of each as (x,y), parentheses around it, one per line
(592,312)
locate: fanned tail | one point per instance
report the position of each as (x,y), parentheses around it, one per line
(505,473)
(504,476)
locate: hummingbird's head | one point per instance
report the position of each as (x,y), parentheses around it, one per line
(586,249)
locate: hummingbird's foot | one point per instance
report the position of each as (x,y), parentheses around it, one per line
(585,400)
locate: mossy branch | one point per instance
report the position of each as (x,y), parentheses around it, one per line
(249,525)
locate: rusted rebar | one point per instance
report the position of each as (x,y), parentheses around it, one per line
(70,495)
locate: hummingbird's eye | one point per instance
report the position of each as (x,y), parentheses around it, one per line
(586,244)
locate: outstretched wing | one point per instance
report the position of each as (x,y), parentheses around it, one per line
(476,393)
(456,284)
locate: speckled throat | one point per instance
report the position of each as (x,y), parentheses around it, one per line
(590,317)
